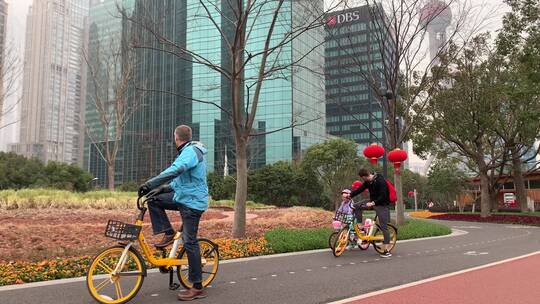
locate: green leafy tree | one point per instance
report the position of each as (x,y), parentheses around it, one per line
(17,172)
(221,187)
(275,184)
(445,182)
(460,114)
(334,163)
(518,45)
(64,176)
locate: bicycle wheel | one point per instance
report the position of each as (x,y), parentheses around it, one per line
(210,264)
(393,238)
(106,286)
(341,242)
(332,239)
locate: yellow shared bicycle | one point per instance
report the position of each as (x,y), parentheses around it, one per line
(350,232)
(117,273)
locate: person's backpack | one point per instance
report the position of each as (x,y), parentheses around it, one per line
(391,192)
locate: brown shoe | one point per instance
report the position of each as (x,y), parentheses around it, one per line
(165,241)
(191,294)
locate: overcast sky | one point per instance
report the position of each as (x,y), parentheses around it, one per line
(18,10)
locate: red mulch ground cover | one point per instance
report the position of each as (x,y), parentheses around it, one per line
(496,218)
(37,234)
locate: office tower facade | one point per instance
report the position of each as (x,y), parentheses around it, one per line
(180,91)
(109,67)
(54,81)
(352,51)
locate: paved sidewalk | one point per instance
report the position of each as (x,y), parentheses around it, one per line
(511,282)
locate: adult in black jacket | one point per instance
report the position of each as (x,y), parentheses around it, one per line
(379,196)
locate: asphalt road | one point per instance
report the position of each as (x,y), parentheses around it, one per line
(318,277)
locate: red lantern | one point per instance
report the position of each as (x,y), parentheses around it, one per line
(397,156)
(410,194)
(373,152)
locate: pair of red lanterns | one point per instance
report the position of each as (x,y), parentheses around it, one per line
(373,152)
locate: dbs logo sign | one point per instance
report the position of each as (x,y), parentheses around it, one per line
(342,18)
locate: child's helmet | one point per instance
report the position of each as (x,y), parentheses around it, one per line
(336,224)
(346,191)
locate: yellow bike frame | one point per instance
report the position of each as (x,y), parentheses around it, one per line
(149,253)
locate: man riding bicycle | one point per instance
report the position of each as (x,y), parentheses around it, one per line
(379,199)
(187,192)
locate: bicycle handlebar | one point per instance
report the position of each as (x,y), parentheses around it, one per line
(149,195)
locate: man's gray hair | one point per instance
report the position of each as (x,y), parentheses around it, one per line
(183,133)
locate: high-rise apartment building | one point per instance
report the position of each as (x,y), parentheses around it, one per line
(54,81)
(3,26)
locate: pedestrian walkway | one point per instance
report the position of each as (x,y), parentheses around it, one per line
(510,282)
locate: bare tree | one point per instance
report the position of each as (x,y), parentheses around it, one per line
(398,64)
(110,65)
(252,59)
(10,72)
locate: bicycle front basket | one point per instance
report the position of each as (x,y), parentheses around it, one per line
(345,218)
(121,231)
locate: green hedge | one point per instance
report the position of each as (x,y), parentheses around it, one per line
(420,228)
(290,240)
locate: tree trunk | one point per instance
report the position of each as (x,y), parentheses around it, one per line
(485,206)
(400,210)
(493,199)
(239,225)
(110,176)
(519,182)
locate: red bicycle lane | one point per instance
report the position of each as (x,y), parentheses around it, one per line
(515,281)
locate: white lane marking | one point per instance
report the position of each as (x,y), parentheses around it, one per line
(154,295)
(254,279)
(371,294)
(455,233)
(291,272)
(274,275)
(232,282)
(474,253)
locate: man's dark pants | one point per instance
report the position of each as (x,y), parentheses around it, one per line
(190,226)
(383,213)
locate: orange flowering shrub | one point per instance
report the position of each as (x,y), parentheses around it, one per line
(26,272)
(231,248)
(20,272)
(424,214)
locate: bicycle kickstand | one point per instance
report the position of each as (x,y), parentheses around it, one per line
(172,285)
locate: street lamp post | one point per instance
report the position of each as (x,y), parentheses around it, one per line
(388,95)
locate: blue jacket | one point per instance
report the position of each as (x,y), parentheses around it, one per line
(188,175)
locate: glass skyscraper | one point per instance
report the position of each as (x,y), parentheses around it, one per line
(106,39)
(352,51)
(178,91)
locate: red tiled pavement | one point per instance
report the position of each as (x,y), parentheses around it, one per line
(514,282)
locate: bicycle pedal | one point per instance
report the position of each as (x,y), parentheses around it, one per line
(174,286)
